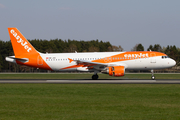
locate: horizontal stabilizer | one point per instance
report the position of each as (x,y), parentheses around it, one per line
(13,59)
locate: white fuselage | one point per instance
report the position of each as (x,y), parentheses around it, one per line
(60,60)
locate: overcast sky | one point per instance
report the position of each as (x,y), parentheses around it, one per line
(121,22)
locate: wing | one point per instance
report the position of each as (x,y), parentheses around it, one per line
(89,64)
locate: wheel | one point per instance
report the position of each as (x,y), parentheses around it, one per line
(152,77)
(152,73)
(95,77)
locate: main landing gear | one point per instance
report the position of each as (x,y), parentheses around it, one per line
(152,73)
(95,77)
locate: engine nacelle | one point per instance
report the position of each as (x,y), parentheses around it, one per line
(116,71)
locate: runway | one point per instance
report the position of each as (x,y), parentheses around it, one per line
(88,81)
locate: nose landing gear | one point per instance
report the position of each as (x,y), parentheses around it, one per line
(152,73)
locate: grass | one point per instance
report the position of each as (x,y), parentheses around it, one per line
(84,76)
(89,101)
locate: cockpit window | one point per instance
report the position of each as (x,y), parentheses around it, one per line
(163,57)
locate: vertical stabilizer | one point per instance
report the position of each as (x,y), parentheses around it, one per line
(20,43)
(25,53)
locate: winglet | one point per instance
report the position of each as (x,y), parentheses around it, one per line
(70,60)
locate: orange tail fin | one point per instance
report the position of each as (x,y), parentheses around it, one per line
(20,43)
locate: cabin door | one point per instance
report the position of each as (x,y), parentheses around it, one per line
(153,59)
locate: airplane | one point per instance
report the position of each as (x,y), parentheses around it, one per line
(112,63)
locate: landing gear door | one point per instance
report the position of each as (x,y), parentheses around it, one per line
(152,55)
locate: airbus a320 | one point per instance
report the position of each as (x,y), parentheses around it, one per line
(112,63)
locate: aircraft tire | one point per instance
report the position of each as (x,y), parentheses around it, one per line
(153,77)
(95,77)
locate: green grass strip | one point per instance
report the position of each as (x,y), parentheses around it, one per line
(89,101)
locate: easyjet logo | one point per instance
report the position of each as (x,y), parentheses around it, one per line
(136,55)
(20,40)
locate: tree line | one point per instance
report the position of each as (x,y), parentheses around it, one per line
(172,51)
(69,46)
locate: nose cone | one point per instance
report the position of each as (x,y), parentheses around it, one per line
(172,63)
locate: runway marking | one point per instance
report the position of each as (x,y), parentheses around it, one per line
(100,81)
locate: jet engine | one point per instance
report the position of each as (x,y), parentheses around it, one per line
(116,71)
